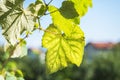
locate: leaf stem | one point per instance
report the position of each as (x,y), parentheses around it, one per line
(39,24)
(51,32)
(44,2)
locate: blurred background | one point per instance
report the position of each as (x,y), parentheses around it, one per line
(102,51)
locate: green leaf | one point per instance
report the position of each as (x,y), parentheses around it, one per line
(10,76)
(67,10)
(81,6)
(62,49)
(8,6)
(60,21)
(37,8)
(11,66)
(1,77)
(18,50)
(20,78)
(15,20)
(19,73)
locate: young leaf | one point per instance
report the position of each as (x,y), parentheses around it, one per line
(37,8)
(19,50)
(63,49)
(15,20)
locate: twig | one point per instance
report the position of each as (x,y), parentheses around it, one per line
(49,2)
(39,23)
(45,2)
(51,12)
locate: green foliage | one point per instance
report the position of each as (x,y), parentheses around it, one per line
(62,49)
(63,39)
(16,21)
(100,68)
(67,8)
(63,24)
(11,76)
(37,8)
(81,6)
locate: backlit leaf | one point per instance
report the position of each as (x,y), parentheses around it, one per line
(60,21)
(81,6)
(37,8)
(63,49)
(67,10)
(15,20)
(10,76)
(18,50)
(1,77)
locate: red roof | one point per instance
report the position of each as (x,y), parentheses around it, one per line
(103,45)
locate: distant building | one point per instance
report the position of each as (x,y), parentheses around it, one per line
(95,49)
(36,52)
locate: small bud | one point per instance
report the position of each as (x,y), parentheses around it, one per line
(36,25)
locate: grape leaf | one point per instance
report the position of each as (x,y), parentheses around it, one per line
(63,23)
(81,6)
(67,10)
(1,77)
(18,50)
(15,20)
(8,6)
(37,8)
(10,76)
(63,49)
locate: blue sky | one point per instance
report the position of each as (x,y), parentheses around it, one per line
(100,24)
